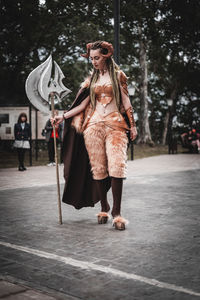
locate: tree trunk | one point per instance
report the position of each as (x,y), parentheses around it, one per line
(166,121)
(144,129)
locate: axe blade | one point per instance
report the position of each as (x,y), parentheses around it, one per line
(31,87)
(45,79)
(57,85)
(40,84)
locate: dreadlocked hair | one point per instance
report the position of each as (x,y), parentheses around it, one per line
(113,70)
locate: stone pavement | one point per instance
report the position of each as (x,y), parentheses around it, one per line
(11,291)
(44,175)
(157,257)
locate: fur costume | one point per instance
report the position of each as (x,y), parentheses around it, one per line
(80,188)
(80,121)
(107,149)
(105,134)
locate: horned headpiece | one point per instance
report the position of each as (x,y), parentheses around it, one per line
(101,45)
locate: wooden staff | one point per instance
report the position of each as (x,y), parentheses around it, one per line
(56,159)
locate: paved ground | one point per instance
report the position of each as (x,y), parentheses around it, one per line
(156,258)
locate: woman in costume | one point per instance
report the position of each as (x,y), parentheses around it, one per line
(97,114)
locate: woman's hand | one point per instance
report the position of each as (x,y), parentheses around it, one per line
(56,120)
(133,133)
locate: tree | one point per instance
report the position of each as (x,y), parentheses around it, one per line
(179,52)
(171,43)
(144,129)
(30,32)
(159,52)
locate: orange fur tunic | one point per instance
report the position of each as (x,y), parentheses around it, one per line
(106,110)
(105,136)
(80,188)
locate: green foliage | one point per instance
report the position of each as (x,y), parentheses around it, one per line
(170,30)
(171,33)
(30,32)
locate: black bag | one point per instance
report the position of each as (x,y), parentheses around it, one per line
(44,132)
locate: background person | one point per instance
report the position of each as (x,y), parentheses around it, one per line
(22,135)
(193,139)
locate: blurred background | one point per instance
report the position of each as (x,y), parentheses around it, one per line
(158,47)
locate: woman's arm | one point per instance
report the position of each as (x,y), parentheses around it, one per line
(125,99)
(76,110)
(124,90)
(15,131)
(127,104)
(29,131)
(71,113)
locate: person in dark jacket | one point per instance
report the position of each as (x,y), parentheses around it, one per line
(193,139)
(22,135)
(50,139)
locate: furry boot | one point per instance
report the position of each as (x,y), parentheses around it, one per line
(119,223)
(102,217)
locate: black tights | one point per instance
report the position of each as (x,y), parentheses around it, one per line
(102,191)
(116,184)
(51,150)
(21,154)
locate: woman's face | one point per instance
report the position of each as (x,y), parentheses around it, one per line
(97,59)
(23,119)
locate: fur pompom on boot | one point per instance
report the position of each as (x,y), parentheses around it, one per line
(119,223)
(102,217)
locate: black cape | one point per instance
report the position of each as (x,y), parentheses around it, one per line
(80,189)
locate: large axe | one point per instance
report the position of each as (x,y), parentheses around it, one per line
(42,85)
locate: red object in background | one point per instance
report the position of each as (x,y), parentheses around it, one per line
(52,134)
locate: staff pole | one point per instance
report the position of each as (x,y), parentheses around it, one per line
(56,159)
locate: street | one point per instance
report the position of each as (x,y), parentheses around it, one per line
(156,257)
